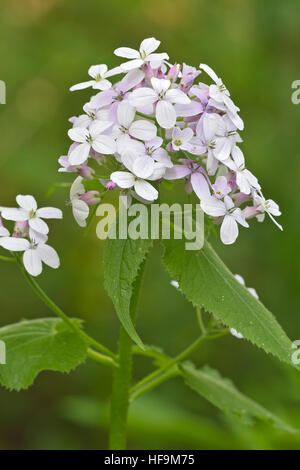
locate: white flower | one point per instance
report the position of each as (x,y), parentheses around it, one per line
(164,96)
(99,73)
(3,231)
(92,115)
(253,292)
(142,56)
(92,138)
(35,253)
(244,178)
(141,168)
(152,148)
(220,97)
(29,211)
(231,217)
(269,206)
(140,129)
(80,208)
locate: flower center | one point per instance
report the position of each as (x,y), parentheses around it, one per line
(178,142)
(98,78)
(32,214)
(89,139)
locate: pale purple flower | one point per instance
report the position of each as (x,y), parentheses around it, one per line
(267,206)
(221,187)
(194,172)
(245,180)
(181,139)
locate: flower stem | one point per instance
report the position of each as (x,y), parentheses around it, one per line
(52,306)
(7,258)
(169,370)
(101,358)
(122,378)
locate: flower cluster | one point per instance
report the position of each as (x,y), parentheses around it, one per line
(160,121)
(30,233)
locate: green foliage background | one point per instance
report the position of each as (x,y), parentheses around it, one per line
(45,47)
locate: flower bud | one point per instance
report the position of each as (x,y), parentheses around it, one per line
(21,229)
(86,172)
(91,198)
(110,185)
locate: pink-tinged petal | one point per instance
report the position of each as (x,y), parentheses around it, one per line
(145,190)
(27,203)
(123,179)
(187,134)
(142,97)
(80,211)
(143,130)
(78,134)
(187,110)
(18,215)
(125,113)
(104,144)
(200,186)
(177,172)
(131,64)
(213,206)
(96,70)
(209,72)
(32,262)
(149,45)
(82,86)
(104,98)
(98,127)
(131,79)
(177,96)
(14,244)
(160,85)
(48,255)
(79,154)
(161,156)
(143,167)
(165,114)
(102,85)
(127,52)
(38,225)
(49,213)
(229,230)
(154,143)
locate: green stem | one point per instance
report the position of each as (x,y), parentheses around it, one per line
(145,116)
(101,358)
(200,320)
(52,306)
(159,375)
(7,258)
(122,378)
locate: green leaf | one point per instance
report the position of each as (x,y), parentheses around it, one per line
(122,261)
(222,393)
(93,185)
(37,345)
(107,167)
(207,282)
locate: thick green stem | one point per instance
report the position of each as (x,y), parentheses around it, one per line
(122,379)
(101,358)
(7,258)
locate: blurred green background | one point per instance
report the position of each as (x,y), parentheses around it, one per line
(46,46)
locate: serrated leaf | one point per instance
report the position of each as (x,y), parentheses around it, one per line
(222,393)
(122,261)
(37,345)
(206,281)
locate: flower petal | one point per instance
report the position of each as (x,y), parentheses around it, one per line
(104,144)
(49,213)
(177,172)
(200,185)
(18,215)
(143,130)
(127,52)
(82,86)
(78,134)
(123,179)
(177,96)
(142,97)
(125,113)
(79,154)
(38,225)
(48,255)
(165,114)
(229,230)
(32,262)
(14,243)
(80,212)
(149,45)
(143,167)
(27,202)
(131,64)
(145,190)
(213,206)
